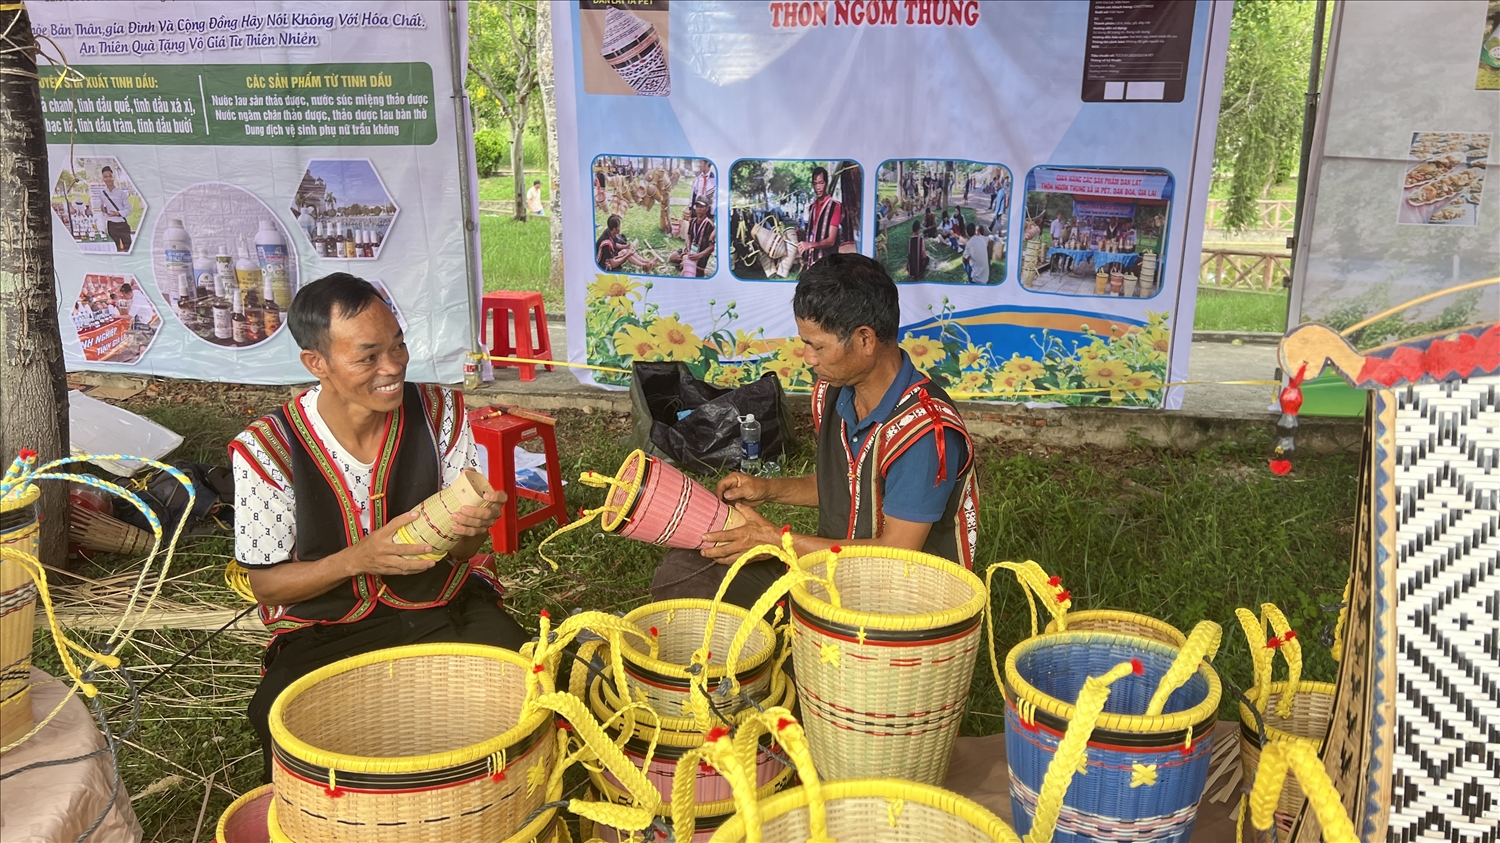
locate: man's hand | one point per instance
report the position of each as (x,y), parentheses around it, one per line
(476,520)
(744,489)
(381,554)
(733,543)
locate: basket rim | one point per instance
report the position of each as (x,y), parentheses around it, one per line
(612,518)
(1118,615)
(875,620)
(747,663)
(701,810)
(25,495)
(691,735)
(1247,720)
(236,805)
(295,746)
(926,795)
(1130,723)
(530,832)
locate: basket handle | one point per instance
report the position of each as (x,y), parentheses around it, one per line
(1037,585)
(1279,757)
(735,759)
(1072,750)
(1202,643)
(65,646)
(1263,652)
(548,652)
(596,746)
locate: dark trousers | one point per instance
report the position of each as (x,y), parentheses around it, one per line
(120,233)
(690,574)
(474,616)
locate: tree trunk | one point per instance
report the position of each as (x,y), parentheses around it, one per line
(33,382)
(549,120)
(518,155)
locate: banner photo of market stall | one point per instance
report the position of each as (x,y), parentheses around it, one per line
(1033,176)
(208,159)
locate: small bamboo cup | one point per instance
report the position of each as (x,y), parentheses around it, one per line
(434,525)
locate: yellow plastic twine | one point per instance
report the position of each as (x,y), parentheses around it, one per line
(24,472)
(1276,760)
(238,580)
(65,645)
(587,517)
(1337,650)
(1202,643)
(1035,583)
(1072,751)
(1263,652)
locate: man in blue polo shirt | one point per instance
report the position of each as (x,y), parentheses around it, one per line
(894,463)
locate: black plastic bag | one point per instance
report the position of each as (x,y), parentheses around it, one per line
(213,498)
(707,439)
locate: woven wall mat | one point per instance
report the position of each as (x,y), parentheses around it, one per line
(978,770)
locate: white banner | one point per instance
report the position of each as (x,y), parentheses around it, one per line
(209,158)
(967,146)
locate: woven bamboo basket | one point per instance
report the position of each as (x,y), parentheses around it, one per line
(19,532)
(434,524)
(884,659)
(678,627)
(549,826)
(98,531)
(426,742)
(1046,590)
(1148,757)
(876,810)
(1294,711)
(245,820)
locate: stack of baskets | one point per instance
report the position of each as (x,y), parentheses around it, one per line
(669,652)
(1148,274)
(19,529)
(1031,258)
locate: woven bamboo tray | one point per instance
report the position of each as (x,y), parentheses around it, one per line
(19,531)
(883,666)
(418,743)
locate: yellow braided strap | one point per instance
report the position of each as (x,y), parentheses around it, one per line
(238,580)
(65,645)
(1037,584)
(1276,760)
(1289,645)
(1202,643)
(1337,651)
(610,517)
(1072,751)
(735,759)
(601,748)
(1260,656)
(747,626)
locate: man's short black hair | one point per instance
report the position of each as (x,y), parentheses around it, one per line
(844,292)
(313,307)
(106,169)
(613,222)
(819,170)
(126,288)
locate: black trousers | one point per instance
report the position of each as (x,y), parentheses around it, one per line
(474,616)
(690,574)
(120,233)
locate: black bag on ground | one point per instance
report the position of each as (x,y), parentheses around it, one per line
(213,499)
(707,439)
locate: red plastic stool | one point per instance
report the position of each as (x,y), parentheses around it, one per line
(497,433)
(504,341)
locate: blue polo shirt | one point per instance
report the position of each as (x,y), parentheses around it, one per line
(912,490)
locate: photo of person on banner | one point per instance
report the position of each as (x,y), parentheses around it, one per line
(785,216)
(654,201)
(1095,231)
(945,205)
(114,319)
(693,258)
(98,205)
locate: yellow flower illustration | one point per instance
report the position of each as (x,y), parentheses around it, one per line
(1092,353)
(973,382)
(745,345)
(1138,384)
(616,290)
(973,357)
(789,373)
(1011,383)
(636,343)
(1104,372)
(788,348)
(675,341)
(1023,367)
(1159,338)
(924,351)
(726,375)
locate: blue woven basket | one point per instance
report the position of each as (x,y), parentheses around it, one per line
(1145,775)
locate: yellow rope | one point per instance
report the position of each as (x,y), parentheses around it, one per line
(1203,642)
(1337,650)
(1260,656)
(65,645)
(1290,650)
(238,580)
(1276,760)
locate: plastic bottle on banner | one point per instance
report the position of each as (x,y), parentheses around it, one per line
(246,269)
(270,252)
(203,272)
(183,300)
(239,327)
(223,320)
(255,320)
(224,280)
(176,252)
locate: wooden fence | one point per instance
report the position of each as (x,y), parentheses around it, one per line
(1226,269)
(1275,215)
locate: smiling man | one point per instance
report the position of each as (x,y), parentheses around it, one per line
(894,459)
(323,484)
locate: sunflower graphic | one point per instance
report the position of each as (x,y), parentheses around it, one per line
(1104,372)
(674,340)
(635,343)
(924,351)
(617,291)
(1023,367)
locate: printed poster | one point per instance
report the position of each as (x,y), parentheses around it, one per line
(208,159)
(1032,175)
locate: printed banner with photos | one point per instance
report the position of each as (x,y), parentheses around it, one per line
(208,160)
(1397,207)
(1034,177)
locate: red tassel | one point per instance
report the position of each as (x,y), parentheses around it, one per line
(546,614)
(536,668)
(1137,668)
(498,776)
(654,633)
(1281,468)
(783,722)
(703,767)
(1064,596)
(27,454)
(786,528)
(564,725)
(715,733)
(1054,580)
(1290,634)
(1274,643)
(332,792)
(835,549)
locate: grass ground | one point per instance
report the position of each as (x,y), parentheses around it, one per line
(1239,310)
(1183,537)
(515,255)
(947,263)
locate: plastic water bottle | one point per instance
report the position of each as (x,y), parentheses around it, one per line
(749,444)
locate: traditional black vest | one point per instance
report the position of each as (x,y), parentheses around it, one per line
(849,500)
(407,471)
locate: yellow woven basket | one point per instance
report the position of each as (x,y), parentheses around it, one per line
(884,645)
(1294,711)
(19,531)
(246,820)
(678,628)
(1040,587)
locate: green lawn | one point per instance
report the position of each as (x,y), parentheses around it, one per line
(515,254)
(1182,537)
(1239,310)
(947,265)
